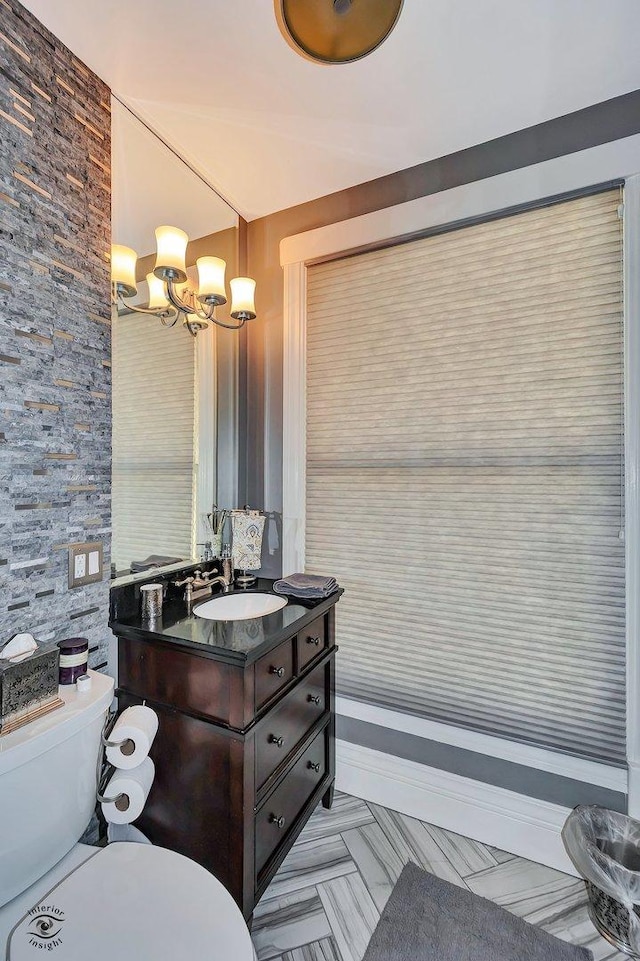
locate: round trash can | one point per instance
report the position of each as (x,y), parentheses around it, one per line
(604,846)
(611,918)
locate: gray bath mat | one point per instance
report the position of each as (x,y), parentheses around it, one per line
(427,919)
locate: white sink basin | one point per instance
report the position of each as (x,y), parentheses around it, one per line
(239,607)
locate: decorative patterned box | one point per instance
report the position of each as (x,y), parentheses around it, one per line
(29,688)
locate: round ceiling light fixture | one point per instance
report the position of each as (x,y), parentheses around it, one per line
(336,31)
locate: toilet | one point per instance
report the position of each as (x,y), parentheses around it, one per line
(75,902)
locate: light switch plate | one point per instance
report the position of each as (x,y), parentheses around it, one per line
(85,564)
(79,566)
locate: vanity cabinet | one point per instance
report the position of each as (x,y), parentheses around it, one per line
(245,748)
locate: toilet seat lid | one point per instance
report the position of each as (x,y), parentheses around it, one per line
(134,902)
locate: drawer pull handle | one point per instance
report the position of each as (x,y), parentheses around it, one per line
(314,766)
(278,821)
(314,699)
(313,640)
(278,671)
(278,741)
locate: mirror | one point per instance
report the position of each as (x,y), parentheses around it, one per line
(173,394)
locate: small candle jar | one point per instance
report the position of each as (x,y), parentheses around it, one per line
(74,655)
(151,601)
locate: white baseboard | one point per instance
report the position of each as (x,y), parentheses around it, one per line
(513,822)
(541,759)
(634,789)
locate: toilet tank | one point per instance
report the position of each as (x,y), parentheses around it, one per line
(48,785)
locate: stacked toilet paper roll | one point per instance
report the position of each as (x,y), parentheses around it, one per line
(128,787)
(132,737)
(131,790)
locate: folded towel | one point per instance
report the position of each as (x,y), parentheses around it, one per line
(153,561)
(306,586)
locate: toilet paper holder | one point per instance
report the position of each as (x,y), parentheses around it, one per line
(105,770)
(109,725)
(107,743)
(106,774)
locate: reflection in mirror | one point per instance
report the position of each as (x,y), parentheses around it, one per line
(165,381)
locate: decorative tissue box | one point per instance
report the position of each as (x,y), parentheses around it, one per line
(29,687)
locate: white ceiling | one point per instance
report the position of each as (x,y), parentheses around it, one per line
(271,129)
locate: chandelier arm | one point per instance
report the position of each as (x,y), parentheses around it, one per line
(162,315)
(210,315)
(219,323)
(178,304)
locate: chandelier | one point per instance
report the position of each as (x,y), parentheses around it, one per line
(171,295)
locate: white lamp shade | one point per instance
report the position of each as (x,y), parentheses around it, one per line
(157,296)
(243,298)
(211,272)
(171,244)
(123,269)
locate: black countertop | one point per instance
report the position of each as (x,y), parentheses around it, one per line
(238,642)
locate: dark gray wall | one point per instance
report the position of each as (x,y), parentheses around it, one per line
(55,378)
(261,482)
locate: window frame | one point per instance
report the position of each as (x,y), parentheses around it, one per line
(607,165)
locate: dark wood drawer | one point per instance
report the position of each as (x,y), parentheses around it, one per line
(287,724)
(182,680)
(279,812)
(311,641)
(273,671)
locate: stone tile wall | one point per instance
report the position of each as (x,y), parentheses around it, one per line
(55,376)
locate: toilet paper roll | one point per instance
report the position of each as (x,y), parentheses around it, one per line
(135,786)
(135,730)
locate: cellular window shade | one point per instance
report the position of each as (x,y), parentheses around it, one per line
(154,378)
(465,474)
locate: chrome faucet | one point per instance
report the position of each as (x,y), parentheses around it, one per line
(223,581)
(199,585)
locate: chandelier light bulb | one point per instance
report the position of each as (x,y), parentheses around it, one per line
(243,298)
(171,244)
(123,270)
(211,289)
(157,296)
